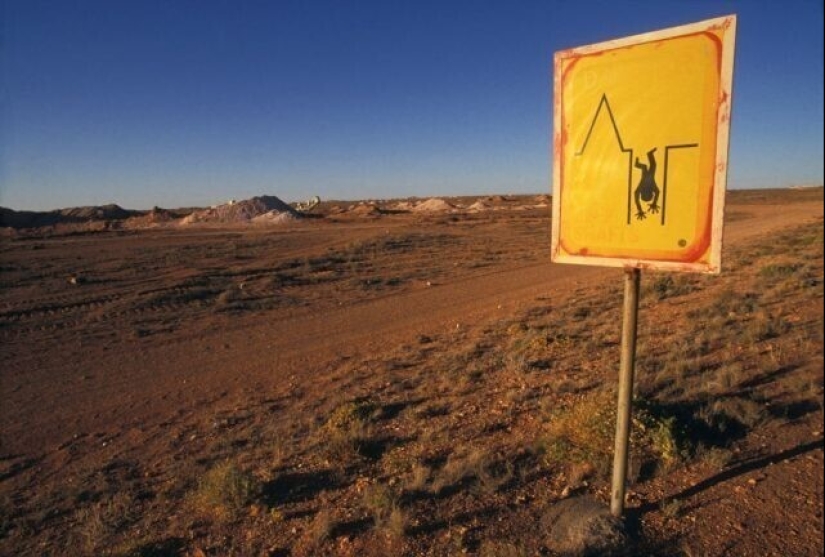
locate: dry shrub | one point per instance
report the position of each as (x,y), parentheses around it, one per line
(765,326)
(773,271)
(716,457)
(501,549)
(382,504)
(225,490)
(668,285)
(419,476)
(579,472)
(322,526)
(584,432)
(726,307)
(347,429)
(526,346)
(494,476)
(97,523)
(726,377)
(728,413)
(460,466)
(476,465)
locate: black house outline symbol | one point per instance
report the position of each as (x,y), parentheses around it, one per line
(604,102)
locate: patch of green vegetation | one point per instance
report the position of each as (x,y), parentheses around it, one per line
(584,432)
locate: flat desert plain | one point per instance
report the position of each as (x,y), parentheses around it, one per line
(390,382)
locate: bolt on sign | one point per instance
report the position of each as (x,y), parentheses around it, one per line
(640,148)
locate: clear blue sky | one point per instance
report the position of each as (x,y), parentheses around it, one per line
(181,103)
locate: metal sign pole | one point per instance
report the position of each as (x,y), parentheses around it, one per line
(625,398)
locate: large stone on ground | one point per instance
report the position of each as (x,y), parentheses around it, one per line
(583,527)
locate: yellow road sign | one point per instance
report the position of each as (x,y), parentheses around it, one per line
(640,148)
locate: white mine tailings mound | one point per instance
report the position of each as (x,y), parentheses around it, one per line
(266,209)
(434,205)
(403,206)
(478,207)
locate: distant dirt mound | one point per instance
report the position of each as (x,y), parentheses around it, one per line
(102,212)
(158,215)
(17,219)
(73,215)
(403,206)
(496,199)
(264,208)
(365,210)
(478,207)
(434,205)
(153,218)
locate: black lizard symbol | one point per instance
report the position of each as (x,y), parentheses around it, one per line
(647,190)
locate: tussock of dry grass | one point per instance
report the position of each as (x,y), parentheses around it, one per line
(224,491)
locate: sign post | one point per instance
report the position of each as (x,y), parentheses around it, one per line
(627,368)
(640,154)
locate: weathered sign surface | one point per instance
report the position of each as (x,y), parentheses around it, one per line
(640,145)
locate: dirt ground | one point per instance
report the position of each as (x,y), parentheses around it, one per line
(385,382)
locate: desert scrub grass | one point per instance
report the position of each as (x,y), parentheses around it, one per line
(98,522)
(745,411)
(726,307)
(346,431)
(782,279)
(728,418)
(418,478)
(666,285)
(725,378)
(501,549)
(494,476)
(322,527)
(671,508)
(225,490)
(396,461)
(526,345)
(765,326)
(581,432)
(715,457)
(776,271)
(584,432)
(381,503)
(461,466)
(659,436)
